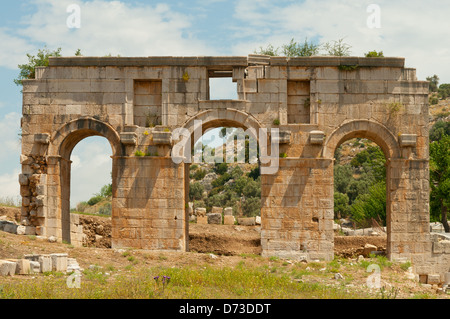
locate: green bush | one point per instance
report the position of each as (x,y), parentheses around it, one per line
(94,200)
(374,54)
(196,191)
(370,205)
(199,174)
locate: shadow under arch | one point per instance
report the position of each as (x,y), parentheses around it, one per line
(62,143)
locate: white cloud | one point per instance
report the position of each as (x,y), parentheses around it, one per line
(9,185)
(113,27)
(91,168)
(415,30)
(9,130)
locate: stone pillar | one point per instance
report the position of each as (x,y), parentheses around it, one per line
(297,210)
(407,210)
(148,204)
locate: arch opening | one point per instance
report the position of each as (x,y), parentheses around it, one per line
(360,193)
(223,177)
(82,142)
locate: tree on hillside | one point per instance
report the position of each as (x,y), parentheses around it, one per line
(434,81)
(439,130)
(440,179)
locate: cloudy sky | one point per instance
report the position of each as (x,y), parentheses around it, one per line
(416,30)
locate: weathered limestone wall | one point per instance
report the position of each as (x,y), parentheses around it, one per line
(297,210)
(148,209)
(316,103)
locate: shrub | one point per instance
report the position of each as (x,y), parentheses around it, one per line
(374,54)
(199,174)
(94,200)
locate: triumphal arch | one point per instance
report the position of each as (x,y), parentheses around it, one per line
(304,106)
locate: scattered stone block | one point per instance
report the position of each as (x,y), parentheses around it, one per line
(228,211)
(200,211)
(35,267)
(216,210)
(258,220)
(45,262)
(247,221)
(214,218)
(434,279)
(59,262)
(228,220)
(72,265)
(369,249)
(25,230)
(10,228)
(7,268)
(23,267)
(203,220)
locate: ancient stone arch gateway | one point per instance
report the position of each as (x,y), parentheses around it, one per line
(316,103)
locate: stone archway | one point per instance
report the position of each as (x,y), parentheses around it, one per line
(60,148)
(196,126)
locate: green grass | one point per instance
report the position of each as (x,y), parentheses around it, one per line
(206,282)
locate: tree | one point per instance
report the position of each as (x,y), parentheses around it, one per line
(440,179)
(337,48)
(269,50)
(195,191)
(434,81)
(293,49)
(374,54)
(27,71)
(438,130)
(341,205)
(444,90)
(370,205)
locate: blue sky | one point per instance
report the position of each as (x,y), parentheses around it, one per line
(414,29)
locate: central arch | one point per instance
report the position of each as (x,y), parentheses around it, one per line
(211,119)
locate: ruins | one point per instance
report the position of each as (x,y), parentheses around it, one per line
(316,103)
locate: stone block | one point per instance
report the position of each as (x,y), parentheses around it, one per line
(200,211)
(216,210)
(228,211)
(203,220)
(23,179)
(433,279)
(42,138)
(247,221)
(7,268)
(162,138)
(284,137)
(35,267)
(214,218)
(23,267)
(316,137)
(26,230)
(228,220)
(407,140)
(128,138)
(46,263)
(10,228)
(59,262)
